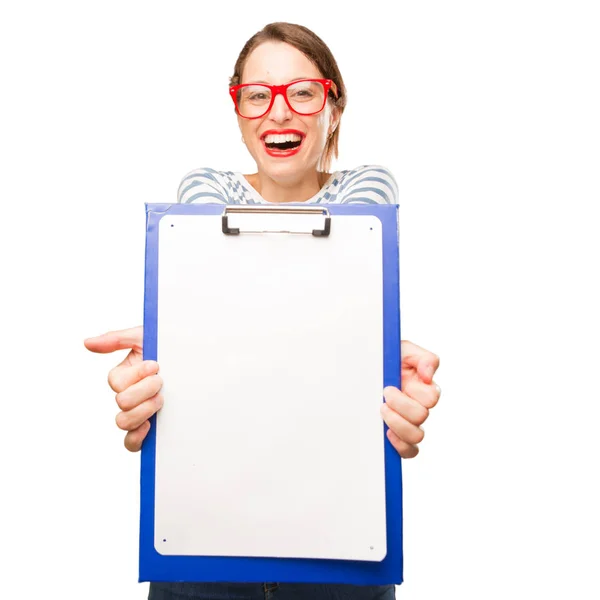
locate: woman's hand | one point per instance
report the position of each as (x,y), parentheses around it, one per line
(134,380)
(405,411)
(137,386)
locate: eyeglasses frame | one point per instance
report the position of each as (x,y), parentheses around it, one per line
(328,85)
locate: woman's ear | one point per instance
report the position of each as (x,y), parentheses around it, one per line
(334,120)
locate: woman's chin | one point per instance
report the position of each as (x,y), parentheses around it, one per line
(281,171)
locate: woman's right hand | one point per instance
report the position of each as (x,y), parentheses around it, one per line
(135,381)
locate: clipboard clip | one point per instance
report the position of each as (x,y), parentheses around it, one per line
(296,210)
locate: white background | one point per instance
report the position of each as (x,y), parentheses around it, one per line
(488,115)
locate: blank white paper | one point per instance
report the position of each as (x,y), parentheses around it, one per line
(270,441)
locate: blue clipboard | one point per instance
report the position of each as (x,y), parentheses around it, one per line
(155,566)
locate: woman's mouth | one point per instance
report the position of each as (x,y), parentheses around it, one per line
(282,143)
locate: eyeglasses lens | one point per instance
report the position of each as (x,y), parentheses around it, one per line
(305,98)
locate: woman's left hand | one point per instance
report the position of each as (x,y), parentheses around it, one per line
(406,410)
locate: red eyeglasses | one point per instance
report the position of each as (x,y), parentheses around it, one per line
(304,97)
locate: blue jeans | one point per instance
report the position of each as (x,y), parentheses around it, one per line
(269,591)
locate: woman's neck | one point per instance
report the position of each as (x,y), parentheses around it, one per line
(283,191)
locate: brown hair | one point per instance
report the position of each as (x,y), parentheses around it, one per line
(315,49)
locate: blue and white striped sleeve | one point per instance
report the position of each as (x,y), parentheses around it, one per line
(202,186)
(369,184)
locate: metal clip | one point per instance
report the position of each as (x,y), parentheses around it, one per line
(275,210)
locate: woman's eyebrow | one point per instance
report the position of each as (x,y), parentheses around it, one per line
(289,80)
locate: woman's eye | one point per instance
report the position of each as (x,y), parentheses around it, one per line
(302,95)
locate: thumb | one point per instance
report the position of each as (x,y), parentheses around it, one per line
(425,369)
(116,340)
(423,361)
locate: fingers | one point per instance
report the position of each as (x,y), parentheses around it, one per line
(425,394)
(426,363)
(134,439)
(116,340)
(404,450)
(124,376)
(129,420)
(408,408)
(139,392)
(405,411)
(408,432)
(138,400)
(135,381)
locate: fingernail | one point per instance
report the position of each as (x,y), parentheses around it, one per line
(438,389)
(429,371)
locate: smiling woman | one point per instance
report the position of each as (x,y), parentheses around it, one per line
(289,96)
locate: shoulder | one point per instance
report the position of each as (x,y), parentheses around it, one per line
(366,184)
(207,185)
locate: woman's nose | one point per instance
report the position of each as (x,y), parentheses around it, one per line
(280,111)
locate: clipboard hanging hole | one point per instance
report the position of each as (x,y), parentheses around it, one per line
(172,225)
(165,540)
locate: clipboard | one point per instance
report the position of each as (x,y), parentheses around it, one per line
(276,330)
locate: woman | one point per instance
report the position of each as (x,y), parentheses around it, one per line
(289,97)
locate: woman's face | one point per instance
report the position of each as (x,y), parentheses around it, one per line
(277,63)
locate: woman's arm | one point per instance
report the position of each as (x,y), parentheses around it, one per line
(368,184)
(204,186)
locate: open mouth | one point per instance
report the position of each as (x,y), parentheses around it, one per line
(282,142)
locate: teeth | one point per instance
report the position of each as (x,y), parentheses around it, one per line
(282,138)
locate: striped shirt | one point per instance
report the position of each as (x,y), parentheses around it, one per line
(367,184)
